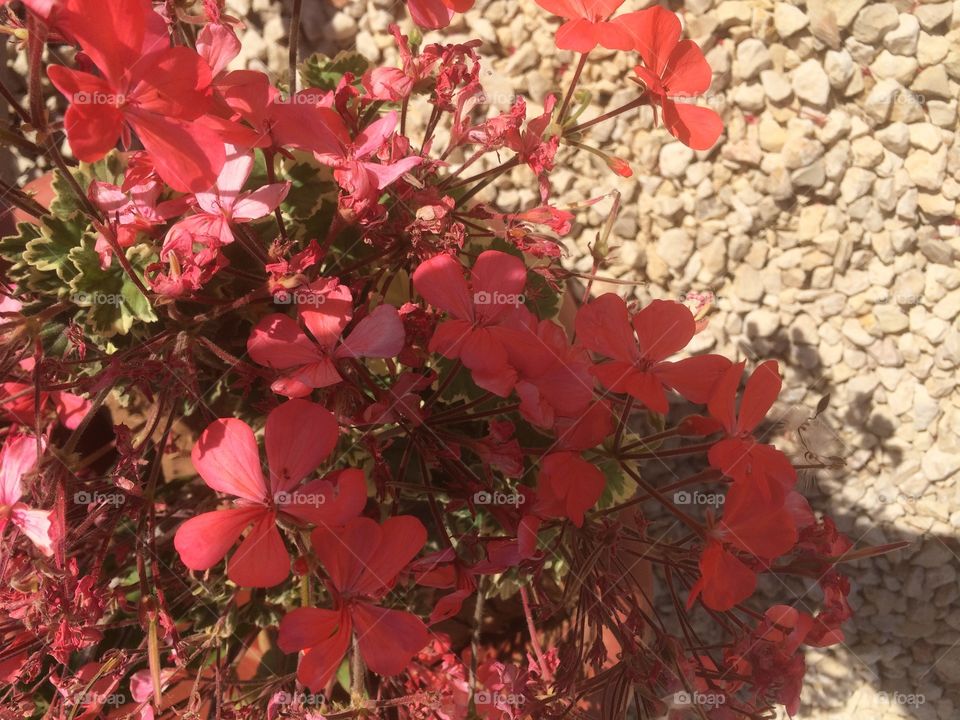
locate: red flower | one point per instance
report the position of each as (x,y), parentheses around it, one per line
(155,90)
(639,367)
(475,333)
(433,14)
(761,529)
(18,457)
(362,561)
(325,307)
(299,436)
(739,455)
(567,487)
(672,69)
(554,378)
(585,25)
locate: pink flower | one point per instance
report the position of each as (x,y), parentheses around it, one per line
(299,436)
(567,487)
(475,332)
(639,346)
(157,91)
(362,561)
(306,362)
(740,455)
(434,14)
(225,204)
(130,213)
(353,168)
(19,457)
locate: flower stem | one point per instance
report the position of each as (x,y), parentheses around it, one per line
(573,86)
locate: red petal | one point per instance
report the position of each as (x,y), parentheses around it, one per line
(329,506)
(278,342)
(695,378)
(761,392)
(323,659)
(655,32)
(430,14)
(759,527)
(187,155)
(173,82)
(202,541)
(228,459)
(449,337)
(725,581)
(345,552)
(307,627)
(262,559)
(93,130)
(571,480)
(603,327)
(578,35)
(326,307)
(379,335)
(299,436)
(694,126)
(388,638)
(663,328)
(440,280)
(688,72)
(722,402)
(402,537)
(114,39)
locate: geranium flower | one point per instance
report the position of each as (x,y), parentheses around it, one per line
(672,69)
(740,455)
(586,24)
(434,14)
(299,436)
(567,486)
(128,213)
(17,401)
(306,362)
(274,123)
(750,524)
(475,333)
(154,90)
(554,379)
(396,84)
(362,562)
(639,366)
(18,457)
(224,204)
(353,169)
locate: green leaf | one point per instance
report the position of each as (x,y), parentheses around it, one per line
(617,489)
(320,71)
(51,251)
(112,301)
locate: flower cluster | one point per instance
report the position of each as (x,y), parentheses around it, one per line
(472,503)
